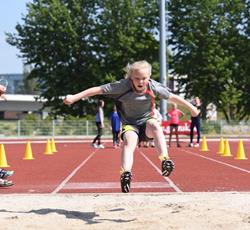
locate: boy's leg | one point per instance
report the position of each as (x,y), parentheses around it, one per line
(130,138)
(154,130)
(130,141)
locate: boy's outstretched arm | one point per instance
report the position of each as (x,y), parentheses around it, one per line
(70,99)
(181,101)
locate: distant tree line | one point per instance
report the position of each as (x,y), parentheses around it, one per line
(75,44)
(210,40)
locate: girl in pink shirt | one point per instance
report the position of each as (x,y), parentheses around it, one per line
(174,115)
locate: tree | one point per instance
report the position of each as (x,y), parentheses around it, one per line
(207,39)
(76,44)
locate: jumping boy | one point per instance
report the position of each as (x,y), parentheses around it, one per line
(135,96)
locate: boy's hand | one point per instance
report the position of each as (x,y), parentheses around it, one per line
(68,100)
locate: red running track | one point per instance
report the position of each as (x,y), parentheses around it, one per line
(78,168)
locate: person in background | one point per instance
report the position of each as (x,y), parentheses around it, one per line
(174,115)
(99,125)
(195,123)
(135,100)
(115,124)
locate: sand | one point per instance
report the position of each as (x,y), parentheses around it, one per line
(213,211)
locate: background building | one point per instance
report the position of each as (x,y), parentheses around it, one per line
(19,100)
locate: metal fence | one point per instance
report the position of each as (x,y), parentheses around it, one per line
(24,128)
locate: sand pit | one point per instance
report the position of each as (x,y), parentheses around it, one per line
(126,211)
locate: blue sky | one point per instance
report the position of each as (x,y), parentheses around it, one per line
(11,12)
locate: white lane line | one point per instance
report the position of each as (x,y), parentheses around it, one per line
(170,182)
(63,183)
(114,185)
(217,161)
(60,140)
(45,141)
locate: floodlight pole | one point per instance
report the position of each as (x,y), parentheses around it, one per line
(163,57)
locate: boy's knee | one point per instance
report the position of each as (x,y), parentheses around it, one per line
(130,137)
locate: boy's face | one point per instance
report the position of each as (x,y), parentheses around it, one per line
(140,80)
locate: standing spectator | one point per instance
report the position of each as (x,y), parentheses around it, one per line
(115,123)
(100,125)
(174,115)
(195,123)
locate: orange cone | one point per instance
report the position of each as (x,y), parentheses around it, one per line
(221,146)
(227,151)
(204,145)
(53,145)
(48,148)
(3,160)
(240,152)
(28,155)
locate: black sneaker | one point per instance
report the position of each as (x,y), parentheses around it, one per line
(5,173)
(167,166)
(126,178)
(5,183)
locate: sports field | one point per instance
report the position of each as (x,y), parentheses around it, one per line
(78,187)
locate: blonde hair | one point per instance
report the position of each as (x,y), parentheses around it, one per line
(138,65)
(174,105)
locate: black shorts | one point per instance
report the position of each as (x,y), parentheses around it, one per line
(139,129)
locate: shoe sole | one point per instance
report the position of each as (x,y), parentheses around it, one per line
(6,184)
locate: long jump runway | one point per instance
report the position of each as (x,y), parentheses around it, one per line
(76,167)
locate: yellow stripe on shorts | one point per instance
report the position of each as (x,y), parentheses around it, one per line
(126,128)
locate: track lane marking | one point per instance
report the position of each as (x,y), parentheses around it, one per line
(170,182)
(78,140)
(217,161)
(114,185)
(63,183)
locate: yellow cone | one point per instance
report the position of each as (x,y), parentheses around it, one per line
(53,145)
(221,146)
(3,160)
(28,155)
(241,152)
(227,151)
(204,145)
(48,150)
